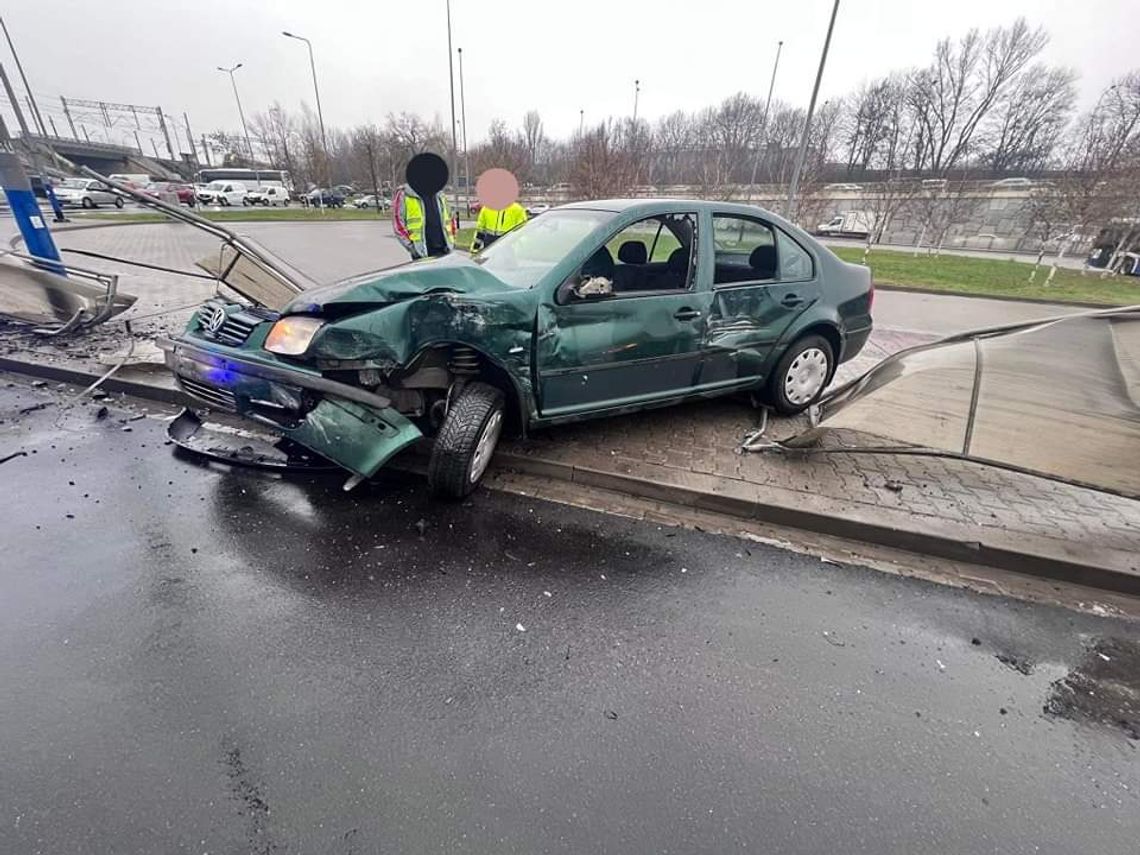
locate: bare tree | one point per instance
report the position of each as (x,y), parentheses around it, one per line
(601,166)
(1102,161)
(532,135)
(368,147)
(503,150)
(886,201)
(673,140)
(1026,124)
(952,96)
(874,121)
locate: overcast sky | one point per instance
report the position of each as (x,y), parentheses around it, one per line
(379,56)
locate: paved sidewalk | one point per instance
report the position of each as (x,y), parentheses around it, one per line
(687,454)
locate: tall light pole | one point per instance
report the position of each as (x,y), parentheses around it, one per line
(241,113)
(463,119)
(37,119)
(317,93)
(791,211)
(581,121)
(636,95)
(454,138)
(764,119)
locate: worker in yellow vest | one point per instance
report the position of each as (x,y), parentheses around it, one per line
(420,216)
(492,224)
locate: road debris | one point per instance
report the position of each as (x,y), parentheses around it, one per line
(611,715)
(520,627)
(831,639)
(1016,663)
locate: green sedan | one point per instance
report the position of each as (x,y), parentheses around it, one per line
(593,309)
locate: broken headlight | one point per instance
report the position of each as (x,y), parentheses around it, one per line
(292,335)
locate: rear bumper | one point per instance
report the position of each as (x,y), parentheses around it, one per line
(350,426)
(854,341)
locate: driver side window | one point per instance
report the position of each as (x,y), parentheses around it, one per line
(648,256)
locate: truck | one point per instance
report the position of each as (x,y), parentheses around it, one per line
(848,224)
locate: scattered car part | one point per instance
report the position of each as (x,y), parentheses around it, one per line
(1057,398)
(239,446)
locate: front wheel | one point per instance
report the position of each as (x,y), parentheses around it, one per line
(466,441)
(801,374)
(118,201)
(87,203)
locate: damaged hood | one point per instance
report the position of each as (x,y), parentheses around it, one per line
(454,274)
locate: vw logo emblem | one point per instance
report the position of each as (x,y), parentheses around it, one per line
(213,317)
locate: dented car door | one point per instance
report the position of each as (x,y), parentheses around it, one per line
(637,342)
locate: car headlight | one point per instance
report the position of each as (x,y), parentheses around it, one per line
(291,336)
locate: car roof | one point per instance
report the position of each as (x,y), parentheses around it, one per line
(650,206)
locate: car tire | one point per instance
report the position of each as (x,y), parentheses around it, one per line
(87,203)
(801,375)
(118,201)
(466,441)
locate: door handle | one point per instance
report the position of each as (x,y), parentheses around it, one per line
(686,314)
(791,300)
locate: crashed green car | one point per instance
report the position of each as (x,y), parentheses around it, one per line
(593,309)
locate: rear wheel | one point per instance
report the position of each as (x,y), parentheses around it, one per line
(87,203)
(118,201)
(801,374)
(466,441)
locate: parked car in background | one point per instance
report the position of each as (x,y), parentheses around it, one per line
(843,188)
(269,196)
(1012,183)
(372,201)
(325,197)
(85,193)
(536,209)
(224,193)
(594,309)
(170,191)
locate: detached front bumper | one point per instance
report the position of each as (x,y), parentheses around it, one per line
(350,426)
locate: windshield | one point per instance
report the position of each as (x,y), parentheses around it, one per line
(73,183)
(523,256)
(216,185)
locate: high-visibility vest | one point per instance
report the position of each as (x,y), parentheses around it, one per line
(490,225)
(408,220)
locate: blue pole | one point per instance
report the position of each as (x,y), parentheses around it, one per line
(56,208)
(26,211)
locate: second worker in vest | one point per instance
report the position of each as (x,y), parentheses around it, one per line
(491,225)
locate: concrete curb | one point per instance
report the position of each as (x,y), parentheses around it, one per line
(738,499)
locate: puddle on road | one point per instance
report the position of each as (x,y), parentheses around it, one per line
(1104,689)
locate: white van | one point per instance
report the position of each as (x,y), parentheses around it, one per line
(222,193)
(268,195)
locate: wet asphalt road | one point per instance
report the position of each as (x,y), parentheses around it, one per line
(203,660)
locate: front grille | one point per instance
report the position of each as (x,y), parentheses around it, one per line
(239,325)
(212,395)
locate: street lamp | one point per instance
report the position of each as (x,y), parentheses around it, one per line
(317,92)
(233,82)
(463,123)
(764,119)
(790,214)
(454,138)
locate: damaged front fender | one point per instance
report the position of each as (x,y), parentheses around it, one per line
(350,426)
